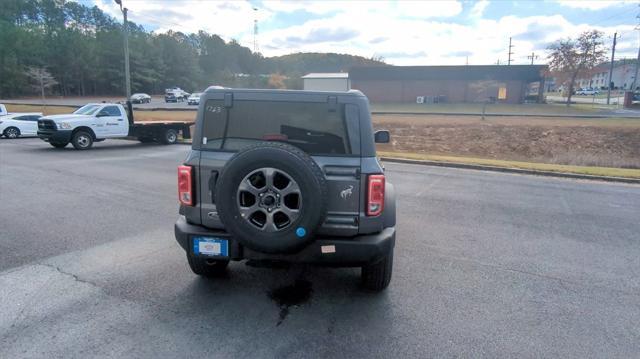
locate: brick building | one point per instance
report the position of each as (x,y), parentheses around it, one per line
(405,84)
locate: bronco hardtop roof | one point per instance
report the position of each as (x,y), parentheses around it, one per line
(218,89)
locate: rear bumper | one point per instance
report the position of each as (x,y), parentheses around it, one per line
(62,136)
(339,252)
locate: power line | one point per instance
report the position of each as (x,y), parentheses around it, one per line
(533,56)
(610,17)
(157,21)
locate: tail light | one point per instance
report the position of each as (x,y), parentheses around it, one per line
(185,185)
(375,195)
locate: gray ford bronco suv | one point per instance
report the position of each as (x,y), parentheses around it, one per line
(291,176)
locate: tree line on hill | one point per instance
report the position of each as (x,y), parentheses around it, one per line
(79,49)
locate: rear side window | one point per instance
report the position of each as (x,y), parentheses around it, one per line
(110,111)
(215,120)
(313,127)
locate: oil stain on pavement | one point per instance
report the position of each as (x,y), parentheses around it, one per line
(291,295)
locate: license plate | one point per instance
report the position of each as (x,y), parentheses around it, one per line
(210,246)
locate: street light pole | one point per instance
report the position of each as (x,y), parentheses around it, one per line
(127,75)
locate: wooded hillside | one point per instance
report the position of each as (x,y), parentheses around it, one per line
(82,48)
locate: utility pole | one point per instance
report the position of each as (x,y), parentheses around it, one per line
(532,57)
(635,76)
(613,55)
(255,31)
(510,52)
(127,74)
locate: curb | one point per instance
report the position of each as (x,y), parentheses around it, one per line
(512,170)
(489,114)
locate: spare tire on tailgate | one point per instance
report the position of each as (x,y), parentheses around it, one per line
(271,197)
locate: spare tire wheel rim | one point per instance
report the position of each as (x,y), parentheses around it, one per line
(269,199)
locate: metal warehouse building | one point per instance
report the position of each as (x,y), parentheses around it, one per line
(508,84)
(327,81)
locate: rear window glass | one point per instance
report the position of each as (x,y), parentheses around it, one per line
(310,126)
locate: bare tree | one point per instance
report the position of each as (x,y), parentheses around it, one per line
(42,79)
(572,58)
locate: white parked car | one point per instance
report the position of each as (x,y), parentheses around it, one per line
(19,124)
(140,98)
(587,92)
(194,98)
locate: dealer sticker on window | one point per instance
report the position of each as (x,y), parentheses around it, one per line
(210,246)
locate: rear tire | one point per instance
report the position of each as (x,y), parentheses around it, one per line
(376,276)
(169,137)
(207,267)
(82,140)
(59,144)
(11,132)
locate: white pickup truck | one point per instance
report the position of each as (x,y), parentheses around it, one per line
(96,122)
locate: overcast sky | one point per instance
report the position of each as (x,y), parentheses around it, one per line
(403,32)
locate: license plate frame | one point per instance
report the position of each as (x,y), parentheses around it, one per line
(210,246)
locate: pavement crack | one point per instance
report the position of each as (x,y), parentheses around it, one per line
(147,303)
(69,274)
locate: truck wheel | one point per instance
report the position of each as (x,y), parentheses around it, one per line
(376,276)
(82,140)
(207,267)
(59,144)
(169,137)
(11,132)
(272,197)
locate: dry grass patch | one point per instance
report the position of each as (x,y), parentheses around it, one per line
(611,142)
(594,171)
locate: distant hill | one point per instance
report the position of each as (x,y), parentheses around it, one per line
(304,62)
(80,47)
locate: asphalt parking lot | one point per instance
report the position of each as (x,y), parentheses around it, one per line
(487,265)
